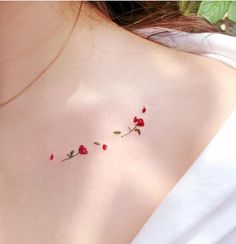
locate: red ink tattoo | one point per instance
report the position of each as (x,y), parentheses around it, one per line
(104,147)
(52,157)
(82,150)
(144,109)
(139,122)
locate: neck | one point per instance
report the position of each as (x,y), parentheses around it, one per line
(32,34)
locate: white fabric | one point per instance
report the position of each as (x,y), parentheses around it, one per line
(201,207)
(214,45)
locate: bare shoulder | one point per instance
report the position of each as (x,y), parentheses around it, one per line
(202,80)
(195,84)
(191,97)
(198,97)
(208,87)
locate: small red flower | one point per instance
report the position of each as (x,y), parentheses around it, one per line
(83,149)
(135,119)
(140,122)
(52,157)
(104,147)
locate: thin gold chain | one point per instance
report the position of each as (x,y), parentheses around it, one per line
(4,103)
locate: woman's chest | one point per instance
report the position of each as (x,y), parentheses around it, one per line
(85,201)
(104,196)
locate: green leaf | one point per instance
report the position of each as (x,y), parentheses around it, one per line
(213,10)
(232,11)
(183,5)
(188,7)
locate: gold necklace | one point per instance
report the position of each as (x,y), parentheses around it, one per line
(4,103)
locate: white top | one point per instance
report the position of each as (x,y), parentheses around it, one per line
(201,207)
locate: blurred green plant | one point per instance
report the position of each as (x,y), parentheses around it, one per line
(213,11)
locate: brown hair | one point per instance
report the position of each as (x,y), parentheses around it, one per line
(133,15)
(140,14)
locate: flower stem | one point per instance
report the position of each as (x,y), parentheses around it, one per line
(130,131)
(70,157)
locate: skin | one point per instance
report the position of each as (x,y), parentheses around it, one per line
(98,85)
